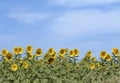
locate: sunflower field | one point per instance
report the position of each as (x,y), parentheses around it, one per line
(26,66)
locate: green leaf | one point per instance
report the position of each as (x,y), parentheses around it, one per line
(59,80)
(44,81)
(27,81)
(36,81)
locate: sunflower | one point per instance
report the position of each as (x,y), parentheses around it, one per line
(37,62)
(51,51)
(62,52)
(20,50)
(15,50)
(9,56)
(4,52)
(71,53)
(46,56)
(103,54)
(51,60)
(77,66)
(30,56)
(25,64)
(94,59)
(76,52)
(29,49)
(98,64)
(89,54)
(115,51)
(14,67)
(20,60)
(54,55)
(108,57)
(92,66)
(41,60)
(38,52)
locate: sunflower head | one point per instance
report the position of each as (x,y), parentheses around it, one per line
(71,53)
(14,67)
(94,59)
(108,57)
(77,66)
(51,51)
(98,64)
(92,66)
(29,49)
(76,52)
(38,52)
(4,52)
(41,60)
(62,52)
(20,50)
(115,51)
(89,54)
(20,60)
(30,56)
(15,50)
(51,60)
(103,54)
(54,55)
(46,56)
(25,64)
(9,56)
(37,62)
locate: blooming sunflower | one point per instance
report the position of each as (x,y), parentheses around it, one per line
(103,54)
(4,52)
(51,60)
(51,51)
(25,64)
(14,67)
(20,50)
(89,54)
(92,66)
(8,57)
(15,50)
(71,53)
(115,51)
(108,57)
(30,56)
(76,52)
(54,55)
(38,52)
(29,49)
(62,52)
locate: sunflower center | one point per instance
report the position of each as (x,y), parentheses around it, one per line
(62,51)
(9,56)
(50,60)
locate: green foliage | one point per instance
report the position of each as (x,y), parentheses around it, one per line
(63,69)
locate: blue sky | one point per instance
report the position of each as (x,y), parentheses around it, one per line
(84,24)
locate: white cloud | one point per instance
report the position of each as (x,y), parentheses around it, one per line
(28,17)
(73,3)
(87,22)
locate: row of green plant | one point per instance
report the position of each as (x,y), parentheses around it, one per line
(61,67)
